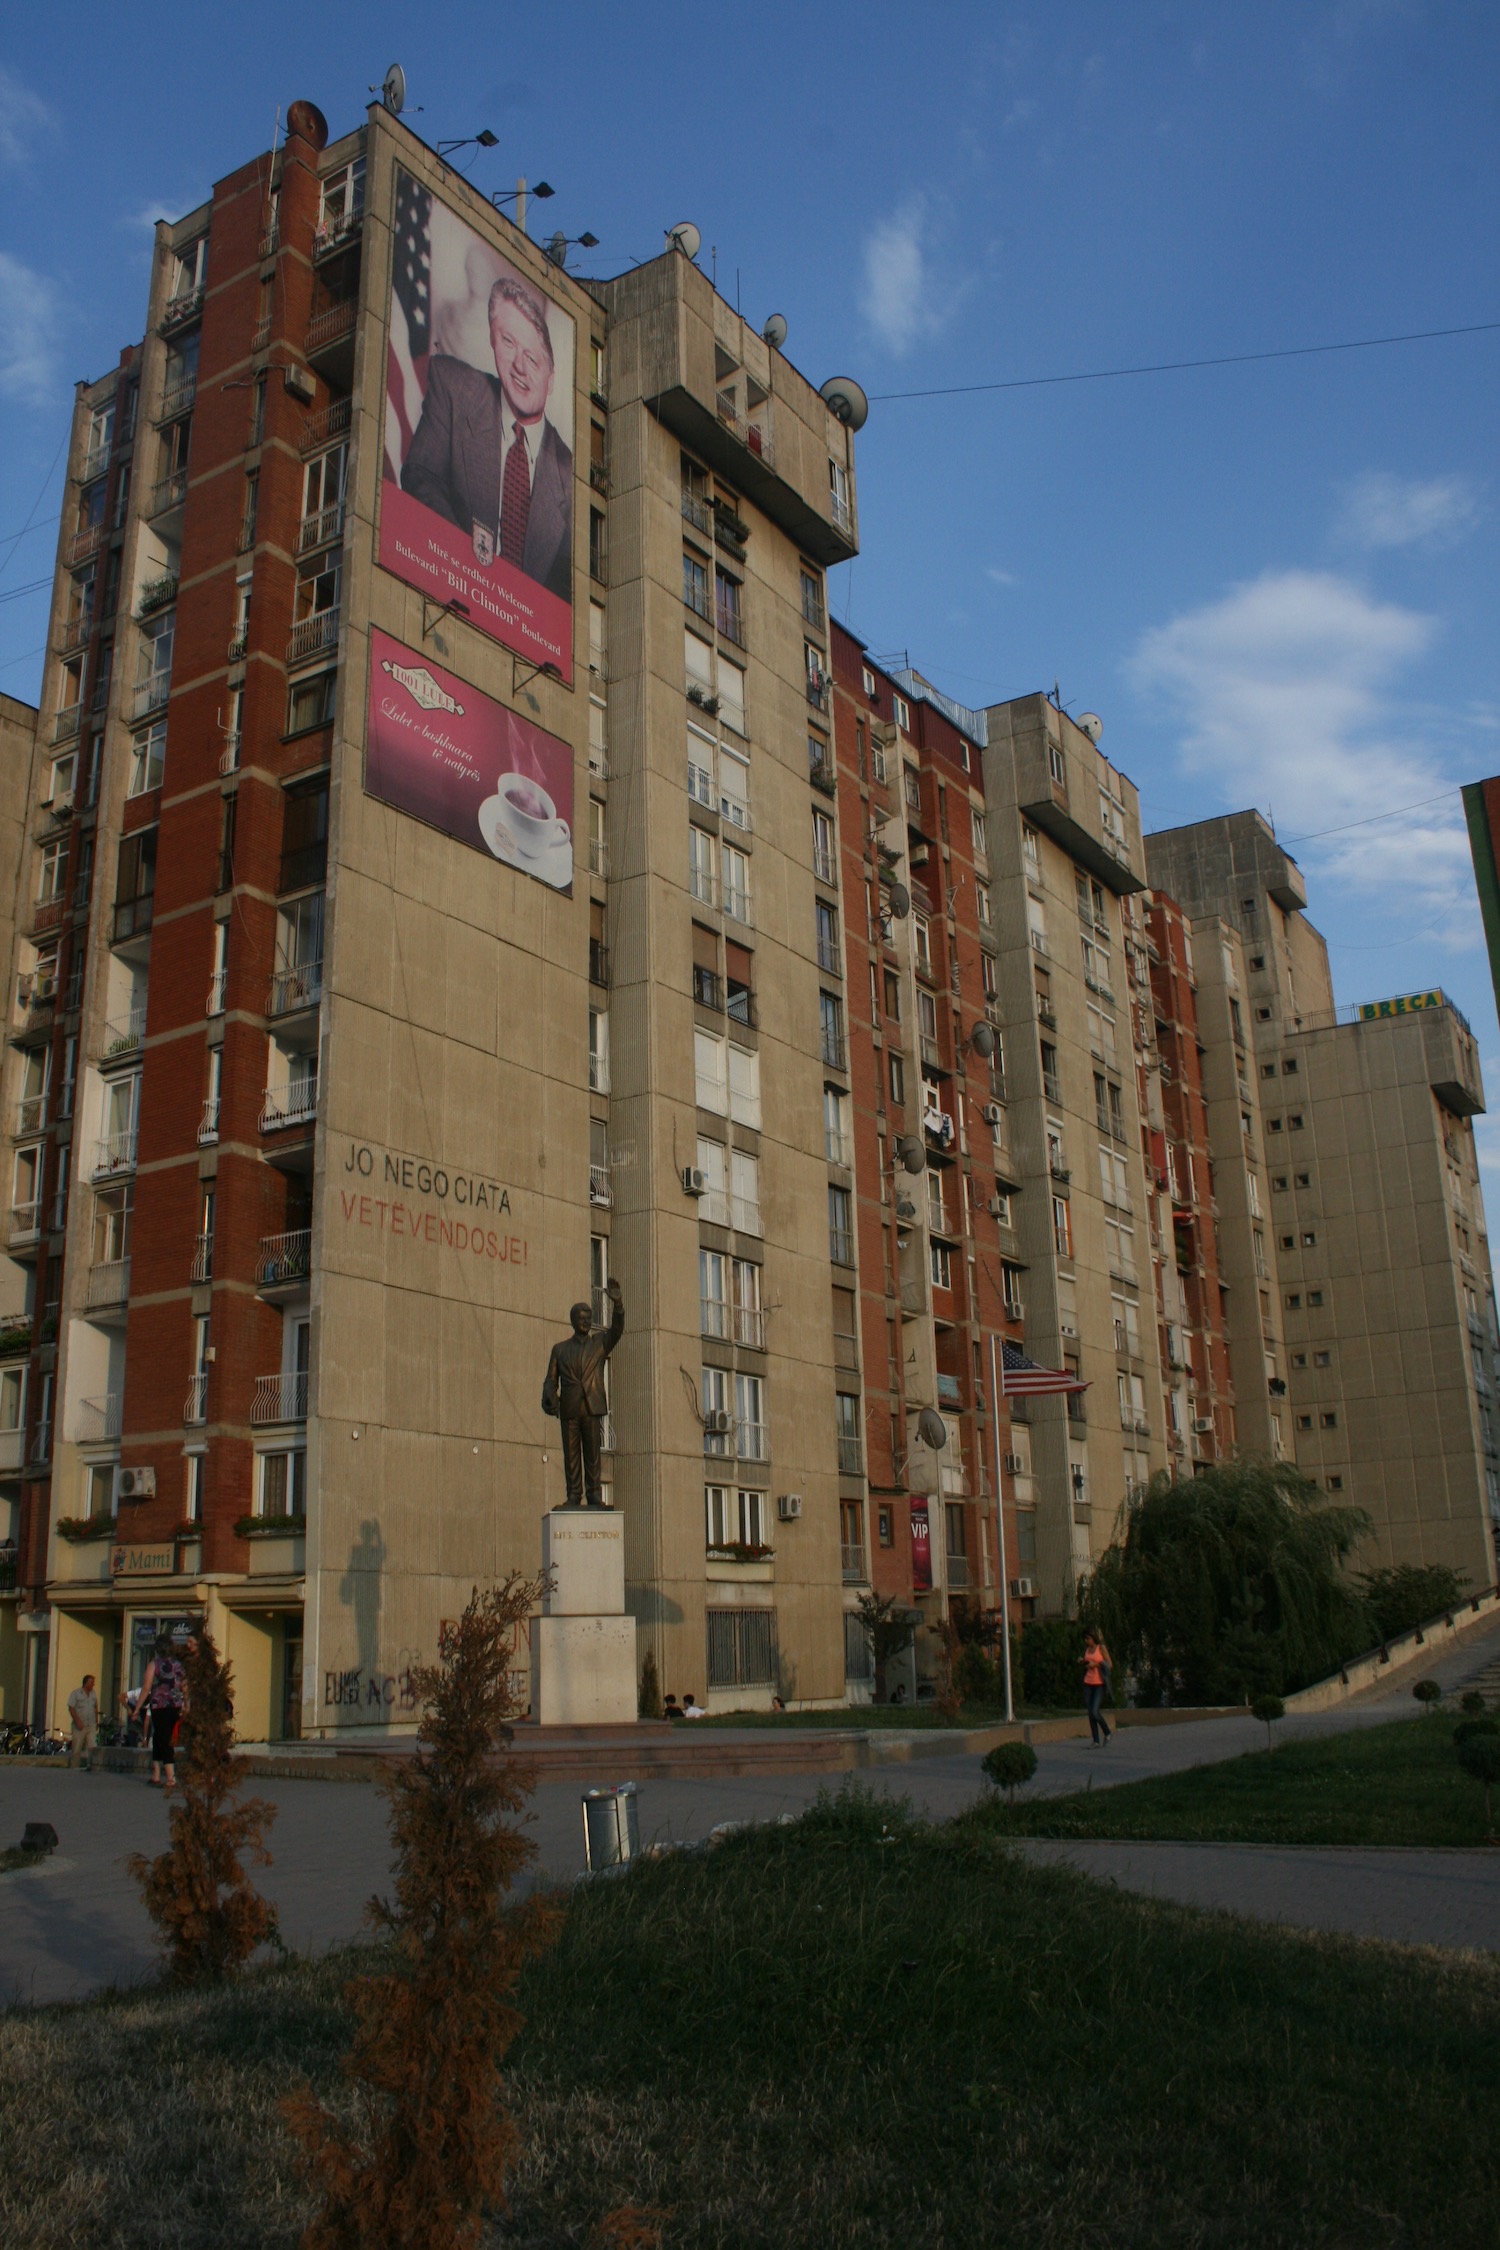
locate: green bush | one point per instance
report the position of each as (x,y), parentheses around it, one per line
(1268,1709)
(1480,1759)
(1407,1594)
(1474,1704)
(1429,1693)
(976,1677)
(1052,1663)
(1469,1730)
(1009,1766)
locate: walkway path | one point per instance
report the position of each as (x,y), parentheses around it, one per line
(77,1922)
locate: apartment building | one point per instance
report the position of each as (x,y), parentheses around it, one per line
(1065,862)
(1374,1213)
(923,1130)
(406,979)
(18,724)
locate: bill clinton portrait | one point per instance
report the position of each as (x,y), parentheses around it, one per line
(484,453)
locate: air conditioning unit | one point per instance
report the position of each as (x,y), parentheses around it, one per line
(997,1205)
(135,1484)
(993,1114)
(717,1423)
(1023,1589)
(694,1182)
(1015,1464)
(301,383)
(789,1506)
(1203,1422)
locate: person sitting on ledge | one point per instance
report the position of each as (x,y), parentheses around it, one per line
(671,1709)
(692,1708)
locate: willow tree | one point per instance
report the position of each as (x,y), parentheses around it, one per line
(1221,1587)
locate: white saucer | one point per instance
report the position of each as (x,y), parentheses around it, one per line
(552,865)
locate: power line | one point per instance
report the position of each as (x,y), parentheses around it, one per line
(1177,366)
(1369,820)
(36,503)
(16,592)
(11,537)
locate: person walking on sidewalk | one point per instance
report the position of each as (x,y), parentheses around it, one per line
(164,1699)
(83,1710)
(1097,1672)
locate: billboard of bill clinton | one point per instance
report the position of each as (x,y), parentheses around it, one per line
(477,498)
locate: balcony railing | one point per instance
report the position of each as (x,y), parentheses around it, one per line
(75,631)
(313,635)
(280,1398)
(291,989)
(157,593)
(713,1318)
(695,511)
(47,913)
(752,435)
(69,719)
(100,1419)
(114,1152)
(828,954)
(841,1245)
(95,462)
(853,1561)
(749,1324)
(322,428)
(208,1123)
(151,695)
(177,397)
(85,544)
(295,1104)
(601,1194)
(202,1268)
(284,1258)
(195,1405)
(186,305)
(835,1050)
(730,623)
(851,1455)
(108,1283)
(838,511)
(167,492)
(238,643)
(752,1441)
(31,1115)
(744,1216)
(817,690)
(322,529)
(332,233)
(26,1219)
(123,1037)
(216,985)
(328,326)
(824,866)
(838,1147)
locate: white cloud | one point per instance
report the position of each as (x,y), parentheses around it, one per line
(23,115)
(29,319)
(895,299)
(1382,510)
(1285,692)
(1001,577)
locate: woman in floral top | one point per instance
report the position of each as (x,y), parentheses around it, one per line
(164,1698)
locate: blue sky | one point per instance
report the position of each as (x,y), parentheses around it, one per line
(1276,583)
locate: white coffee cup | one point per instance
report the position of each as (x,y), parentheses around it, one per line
(530,814)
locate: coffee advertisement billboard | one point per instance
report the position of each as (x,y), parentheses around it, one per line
(456,759)
(477,481)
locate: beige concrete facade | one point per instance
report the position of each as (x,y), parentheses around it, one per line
(18,732)
(1380,1242)
(1065,851)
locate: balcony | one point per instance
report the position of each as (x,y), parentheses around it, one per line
(841,1246)
(313,636)
(749,1326)
(695,511)
(132,917)
(229,756)
(75,632)
(185,306)
(177,397)
(322,529)
(12,1454)
(98,1420)
(601,1194)
(284,1260)
(828,954)
(123,1038)
(851,1455)
(238,644)
(713,1318)
(824,866)
(270,241)
(208,1123)
(216,985)
(167,493)
(817,687)
(598,853)
(322,428)
(25,1220)
(95,462)
(47,914)
(294,1104)
(752,1441)
(754,436)
(913,1293)
(195,1406)
(839,514)
(114,1152)
(108,1284)
(151,696)
(744,1216)
(31,1115)
(330,326)
(335,233)
(68,721)
(838,1147)
(280,1398)
(295,988)
(852,1560)
(157,593)
(84,545)
(730,623)
(202,1267)
(835,1050)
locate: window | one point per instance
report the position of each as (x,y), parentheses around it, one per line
(847,1424)
(826,929)
(736,1517)
(812,601)
(728,615)
(1062,1227)
(744,1192)
(825,865)
(695,585)
(712,1302)
(1055,765)
(598,1050)
(147,757)
(898,1081)
(831,1020)
(751,1432)
(598,547)
(713,1204)
(1315,1296)
(1308,1240)
(982,902)
(735,870)
(840,1226)
(712,1073)
(837,1144)
(310,703)
(1322,1359)
(921,938)
(1328,1421)
(979,838)
(942,1265)
(702,866)
(741,1647)
(1290,1065)
(283,1483)
(1295,1123)
(744,1086)
(1304,1179)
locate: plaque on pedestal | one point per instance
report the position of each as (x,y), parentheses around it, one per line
(583,1644)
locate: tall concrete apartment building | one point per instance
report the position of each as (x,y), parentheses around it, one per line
(30,1010)
(424,921)
(1374,1216)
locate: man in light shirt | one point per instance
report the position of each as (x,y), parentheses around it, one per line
(83,1710)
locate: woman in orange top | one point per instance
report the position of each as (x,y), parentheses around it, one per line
(1097,1668)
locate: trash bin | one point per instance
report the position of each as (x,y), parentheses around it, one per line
(611,1826)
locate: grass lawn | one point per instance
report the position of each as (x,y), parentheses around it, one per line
(908,1717)
(829,2037)
(1395,1784)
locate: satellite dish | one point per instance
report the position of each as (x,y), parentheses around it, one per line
(774,331)
(1093,726)
(844,398)
(557,250)
(932,1429)
(900,901)
(307,121)
(393,90)
(914,1157)
(905,1208)
(686,238)
(983,1041)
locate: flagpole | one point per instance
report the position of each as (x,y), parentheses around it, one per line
(1010,1700)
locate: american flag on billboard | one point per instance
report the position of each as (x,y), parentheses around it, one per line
(411,314)
(1021,1377)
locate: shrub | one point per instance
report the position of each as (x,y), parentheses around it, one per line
(1469,1730)
(976,1677)
(1406,1594)
(210,1914)
(1268,1709)
(433,2027)
(1009,1766)
(888,1633)
(1480,1759)
(1229,1585)
(650,1702)
(1052,1663)
(1428,1693)
(1474,1704)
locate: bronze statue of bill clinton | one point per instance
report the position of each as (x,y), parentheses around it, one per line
(574,1392)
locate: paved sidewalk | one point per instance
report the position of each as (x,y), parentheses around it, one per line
(77,1923)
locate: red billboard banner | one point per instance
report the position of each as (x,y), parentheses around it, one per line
(461,762)
(477,487)
(921,1551)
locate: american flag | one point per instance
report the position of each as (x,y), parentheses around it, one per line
(1021,1377)
(411,316)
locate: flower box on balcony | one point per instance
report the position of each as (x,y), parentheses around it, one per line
(278,1545)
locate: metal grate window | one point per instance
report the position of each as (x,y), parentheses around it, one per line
(859,1661)
(741,1647)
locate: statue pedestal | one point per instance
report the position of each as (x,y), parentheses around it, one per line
(583,1644)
